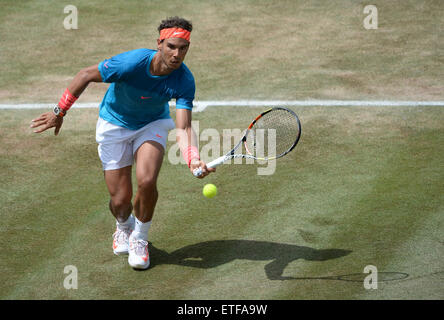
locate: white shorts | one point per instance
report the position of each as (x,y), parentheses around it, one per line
(117,145)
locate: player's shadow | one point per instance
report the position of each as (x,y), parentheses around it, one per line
(211,254)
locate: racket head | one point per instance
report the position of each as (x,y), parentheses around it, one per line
(273,134)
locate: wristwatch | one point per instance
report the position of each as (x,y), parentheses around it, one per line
(59,112)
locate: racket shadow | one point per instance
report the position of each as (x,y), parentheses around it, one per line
(211,254)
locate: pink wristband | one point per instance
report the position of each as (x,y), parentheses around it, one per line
(67,100)
(190,153)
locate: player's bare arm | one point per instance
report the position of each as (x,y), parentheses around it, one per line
(80,82)
(187,140)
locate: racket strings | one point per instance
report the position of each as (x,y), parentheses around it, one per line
(273,135)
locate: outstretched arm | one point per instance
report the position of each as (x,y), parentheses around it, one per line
(49,120)
(187,140)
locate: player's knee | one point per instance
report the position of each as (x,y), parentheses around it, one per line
(121,203)
(147,185)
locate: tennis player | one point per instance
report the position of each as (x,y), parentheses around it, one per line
(133,125)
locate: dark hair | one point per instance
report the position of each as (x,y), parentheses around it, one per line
(177,22)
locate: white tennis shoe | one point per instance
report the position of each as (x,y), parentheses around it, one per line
(139,257)
(121,240)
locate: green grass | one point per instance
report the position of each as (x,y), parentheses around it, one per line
(259,49)
(364,186)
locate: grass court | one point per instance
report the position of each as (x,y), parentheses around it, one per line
(364,186)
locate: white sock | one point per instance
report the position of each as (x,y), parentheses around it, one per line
(129,223)
(141,229)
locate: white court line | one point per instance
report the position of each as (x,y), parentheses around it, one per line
(46,105)
(202,105)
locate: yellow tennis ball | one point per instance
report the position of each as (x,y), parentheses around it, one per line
(209,190)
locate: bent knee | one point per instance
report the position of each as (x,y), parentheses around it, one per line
(121,202)
(147,184)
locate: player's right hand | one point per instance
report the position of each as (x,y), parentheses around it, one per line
(46,121)
(195,164)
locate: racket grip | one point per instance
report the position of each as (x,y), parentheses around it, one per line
(213,164)
(197,172)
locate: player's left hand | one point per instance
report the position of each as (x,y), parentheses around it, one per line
(196,163)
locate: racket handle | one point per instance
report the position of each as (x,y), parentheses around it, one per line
(213,164)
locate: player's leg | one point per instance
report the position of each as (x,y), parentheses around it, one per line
(119,186)
(116,153)
(149,149)
(120,189)
(149,159)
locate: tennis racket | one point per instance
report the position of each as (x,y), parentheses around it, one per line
(273,134)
